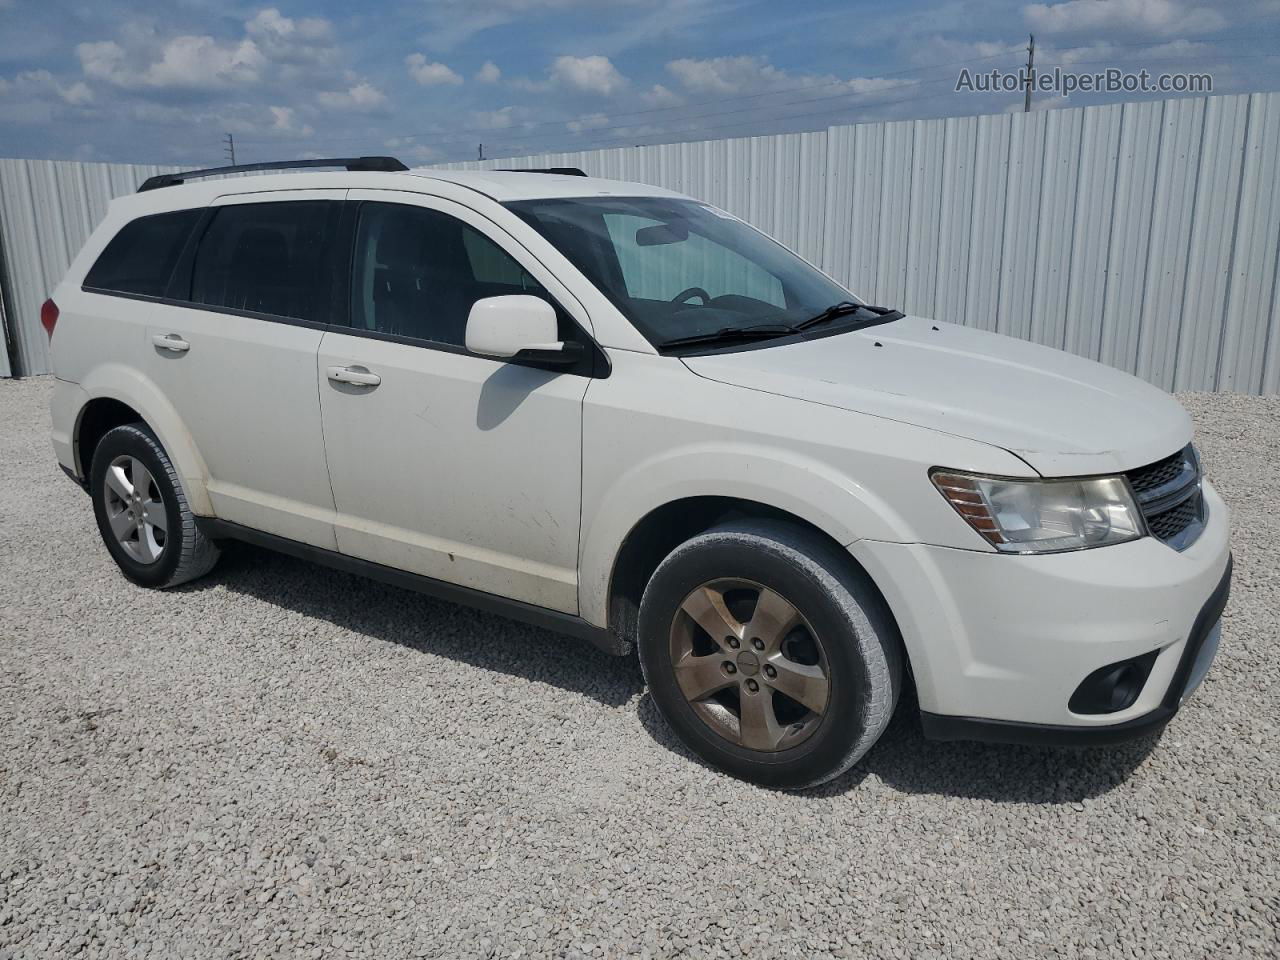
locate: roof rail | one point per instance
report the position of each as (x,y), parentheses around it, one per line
(385,164)
(563,171)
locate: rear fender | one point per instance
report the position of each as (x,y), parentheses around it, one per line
(125,384)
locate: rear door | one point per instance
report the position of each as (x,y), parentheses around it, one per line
(237,358)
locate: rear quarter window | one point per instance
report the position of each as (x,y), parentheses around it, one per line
(140,258)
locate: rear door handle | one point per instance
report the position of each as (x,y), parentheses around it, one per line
(171,342)
(357,376)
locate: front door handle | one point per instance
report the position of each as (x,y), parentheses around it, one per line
(357,376)
(171,342)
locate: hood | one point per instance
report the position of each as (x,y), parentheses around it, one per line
(1062,414)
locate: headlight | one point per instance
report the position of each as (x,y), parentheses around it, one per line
(1043,516)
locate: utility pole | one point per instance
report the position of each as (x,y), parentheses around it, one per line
(229,148)
(1029,80)
(481,156)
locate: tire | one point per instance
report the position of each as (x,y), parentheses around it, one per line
(151,552)
(838,630)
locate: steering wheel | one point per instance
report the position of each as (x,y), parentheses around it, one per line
(692,292)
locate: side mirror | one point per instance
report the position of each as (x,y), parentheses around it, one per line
(518,326)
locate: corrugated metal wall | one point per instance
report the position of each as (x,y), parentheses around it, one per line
(48,208)
(1144,235)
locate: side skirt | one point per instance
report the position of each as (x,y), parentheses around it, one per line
(553,620)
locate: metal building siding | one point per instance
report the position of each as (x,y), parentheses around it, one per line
(986,230)
(1247,361)
(1144,235)
(1091,234)
(955,217)
(48,208)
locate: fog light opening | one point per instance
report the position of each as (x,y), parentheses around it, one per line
(1114,687)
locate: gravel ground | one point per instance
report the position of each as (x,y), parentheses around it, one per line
(285,761)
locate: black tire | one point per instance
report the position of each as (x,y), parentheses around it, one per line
(185,553)
(860,642)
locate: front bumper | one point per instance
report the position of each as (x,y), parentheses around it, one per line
(998,643)
(1193,664)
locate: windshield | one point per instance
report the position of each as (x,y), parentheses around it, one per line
(679,269)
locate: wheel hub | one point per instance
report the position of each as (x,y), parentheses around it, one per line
(135,509)
(749,664)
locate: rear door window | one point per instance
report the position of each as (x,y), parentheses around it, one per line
(140,258)
(269,258)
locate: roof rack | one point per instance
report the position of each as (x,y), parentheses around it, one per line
(381,164)
(563,171)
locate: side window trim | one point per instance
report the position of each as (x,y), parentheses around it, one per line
(595,362)
(179,287)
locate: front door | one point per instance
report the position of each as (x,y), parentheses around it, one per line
(454,466)
(239,363)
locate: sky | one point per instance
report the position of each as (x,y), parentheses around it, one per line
(433,80)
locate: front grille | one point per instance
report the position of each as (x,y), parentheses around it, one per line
(1168,493)
(1145,479)
(1165,526)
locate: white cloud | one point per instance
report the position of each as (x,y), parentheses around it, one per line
(1152,16)
(593,74)
(203,63)
(359,96)
(660,96)
(285,121)
(1094,53)
(77,94)
(41,85)
(724,75)
(501,119)
(103,61)
(430,74)
(285,40)
(269,23)
(489,73)
(194,62)
(592,122)
(454,21)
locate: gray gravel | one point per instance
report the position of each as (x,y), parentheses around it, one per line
(280,760)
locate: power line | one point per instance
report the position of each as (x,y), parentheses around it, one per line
(725,113)
(828,113)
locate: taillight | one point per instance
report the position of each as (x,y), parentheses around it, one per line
(49,317)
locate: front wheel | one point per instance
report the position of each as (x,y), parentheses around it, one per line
(769,654)
(142,512)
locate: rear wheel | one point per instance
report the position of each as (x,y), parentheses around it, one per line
(769,654)
(142,512)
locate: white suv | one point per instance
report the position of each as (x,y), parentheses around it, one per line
(619,412)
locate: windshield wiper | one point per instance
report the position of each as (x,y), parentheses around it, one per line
(759,331)
(847,307)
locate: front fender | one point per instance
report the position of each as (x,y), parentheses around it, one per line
(807,488)
(127,385)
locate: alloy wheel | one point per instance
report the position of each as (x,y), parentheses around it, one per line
(750,665)
(135,509)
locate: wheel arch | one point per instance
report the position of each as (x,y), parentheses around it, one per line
(115,393)
(651,539)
